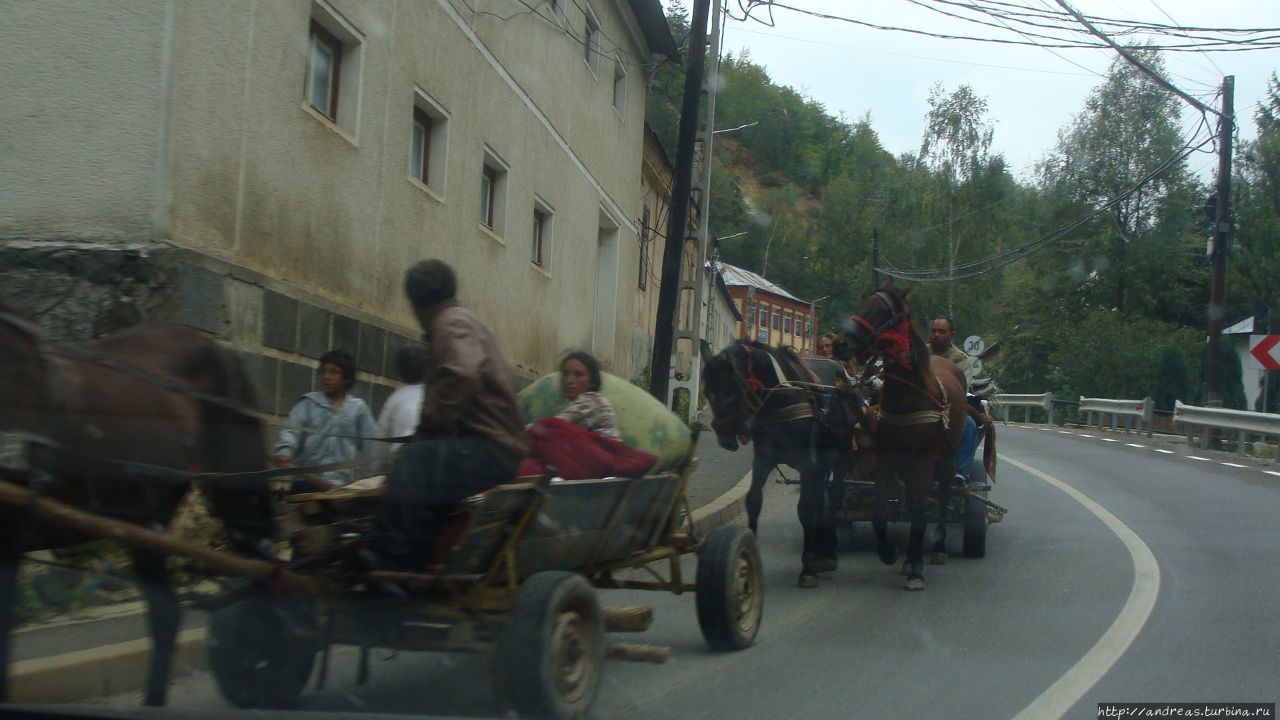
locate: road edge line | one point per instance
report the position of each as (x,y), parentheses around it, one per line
(1067,690)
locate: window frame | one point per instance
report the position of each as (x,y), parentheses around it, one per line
(320,35)
(591,41)
(421,155)
(543,235)
(488,193)
(620,79)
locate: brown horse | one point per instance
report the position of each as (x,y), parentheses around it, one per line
(117,429)
(920,422)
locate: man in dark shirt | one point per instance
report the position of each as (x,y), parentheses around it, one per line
(470,437)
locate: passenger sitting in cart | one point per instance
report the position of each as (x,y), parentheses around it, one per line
(582,441)
(470,437)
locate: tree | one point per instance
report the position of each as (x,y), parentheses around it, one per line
(1255,246)
(1172,379)
(1145,252)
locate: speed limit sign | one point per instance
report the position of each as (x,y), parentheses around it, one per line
(977,366)
(973,345)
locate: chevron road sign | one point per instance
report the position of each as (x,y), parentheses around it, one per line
(1264,351)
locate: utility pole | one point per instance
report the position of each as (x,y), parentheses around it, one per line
(678,223)
(1218,254)
(875,259)
(702,286)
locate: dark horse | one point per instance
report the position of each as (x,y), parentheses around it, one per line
(920,422)
(789,425)
(115,429)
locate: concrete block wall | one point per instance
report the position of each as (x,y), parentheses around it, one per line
(78,291)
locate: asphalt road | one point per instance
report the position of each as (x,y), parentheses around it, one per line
(1120,575)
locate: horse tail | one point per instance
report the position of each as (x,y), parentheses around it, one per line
(989,449)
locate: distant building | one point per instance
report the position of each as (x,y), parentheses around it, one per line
(769,313)
(265,172)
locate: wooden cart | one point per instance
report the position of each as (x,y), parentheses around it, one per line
(518,582)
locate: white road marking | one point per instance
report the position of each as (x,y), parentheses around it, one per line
(1135,445)
(1272,472)
(1065,432)
(1055,701)
(1197,457)
(1083,435)
(1109,440)
(1027,427)
(1166,452)
(1231,465)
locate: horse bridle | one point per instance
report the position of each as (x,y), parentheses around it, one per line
(861,329)
(749,402)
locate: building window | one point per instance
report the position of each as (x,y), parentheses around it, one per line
(428,142)
(540,251)
(591,41)
(764,317)
(420,146)
(786,323)
(334,53)
(777,320)
(619,86)
(324,71)
(645,238)
(493,191)
(488,187)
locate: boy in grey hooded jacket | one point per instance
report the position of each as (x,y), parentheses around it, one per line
(330,425)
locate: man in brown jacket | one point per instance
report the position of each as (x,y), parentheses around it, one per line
(470,437)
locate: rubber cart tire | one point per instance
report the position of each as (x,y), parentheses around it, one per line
(730,588)
(551,651)
(258,657)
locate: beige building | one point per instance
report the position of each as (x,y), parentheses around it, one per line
(265,170)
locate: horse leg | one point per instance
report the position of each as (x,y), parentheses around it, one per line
(760,468)
(9,534)
(831,507)
(885,477)
(162,618)
(809,508)
(919,479)
(942,475)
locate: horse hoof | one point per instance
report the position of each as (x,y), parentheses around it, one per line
(807,581)
(825,565)
(888,556)
(937,558)
(906,568)
(915,583)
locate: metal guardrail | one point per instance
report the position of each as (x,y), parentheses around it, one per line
(1142,411)
(1241,421)
(1043,400)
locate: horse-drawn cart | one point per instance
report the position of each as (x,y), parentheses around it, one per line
(967,507)
(516,578)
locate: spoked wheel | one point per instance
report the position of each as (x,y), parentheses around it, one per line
(551,651)
(730,588)
(259,656)
(975,516)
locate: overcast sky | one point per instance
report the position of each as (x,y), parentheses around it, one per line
(1032,92)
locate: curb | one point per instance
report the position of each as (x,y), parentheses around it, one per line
(122,667)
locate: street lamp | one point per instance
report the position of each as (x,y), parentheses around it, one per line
(813,322)
(733,129)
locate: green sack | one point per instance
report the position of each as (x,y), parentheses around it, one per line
(644,423)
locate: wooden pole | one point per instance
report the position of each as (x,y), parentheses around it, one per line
(96,526)
(638,653)
(630,618)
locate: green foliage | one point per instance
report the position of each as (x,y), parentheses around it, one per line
(1172,379)
(1114,309)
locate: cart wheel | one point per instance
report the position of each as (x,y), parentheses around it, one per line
(730,588)
(551,651)
(258,657)
(975,516)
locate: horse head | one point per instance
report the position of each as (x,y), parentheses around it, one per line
(732,387)
(880,326)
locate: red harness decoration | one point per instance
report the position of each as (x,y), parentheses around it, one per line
(895,343)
